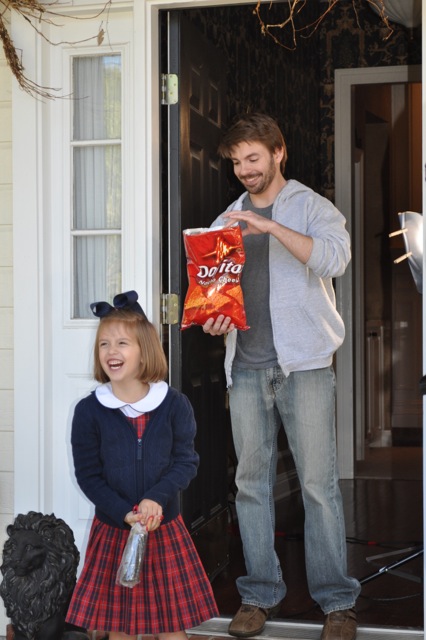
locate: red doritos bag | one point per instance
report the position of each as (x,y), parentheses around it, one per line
(215,260)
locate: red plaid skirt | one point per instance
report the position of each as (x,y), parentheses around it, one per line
(174,593)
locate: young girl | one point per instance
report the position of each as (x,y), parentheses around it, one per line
(133,448)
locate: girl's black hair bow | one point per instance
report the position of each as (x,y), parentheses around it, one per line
(127,301)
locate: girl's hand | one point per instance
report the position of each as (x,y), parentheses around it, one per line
(152,514)
(149,513)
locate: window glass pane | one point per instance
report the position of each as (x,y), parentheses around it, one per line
(97,97)
(97,271)
(97,187)
(97,180)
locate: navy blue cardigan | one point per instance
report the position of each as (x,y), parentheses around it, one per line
(115,470)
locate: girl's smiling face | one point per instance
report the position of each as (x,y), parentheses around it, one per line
(119,353)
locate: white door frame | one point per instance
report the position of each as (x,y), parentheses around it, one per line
(345,80)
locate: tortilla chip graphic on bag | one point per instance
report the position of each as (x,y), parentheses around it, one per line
(215,260)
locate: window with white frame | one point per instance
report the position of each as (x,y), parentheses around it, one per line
(96,147)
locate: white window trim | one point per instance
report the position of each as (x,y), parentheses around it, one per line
(127,148)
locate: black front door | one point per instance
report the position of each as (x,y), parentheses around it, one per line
(194,193)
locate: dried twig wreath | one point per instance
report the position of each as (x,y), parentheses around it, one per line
(295,7)
(36,12)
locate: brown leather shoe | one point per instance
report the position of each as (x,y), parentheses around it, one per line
(340,625)
(250,620)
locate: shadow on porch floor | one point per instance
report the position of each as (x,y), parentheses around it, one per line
(383,512)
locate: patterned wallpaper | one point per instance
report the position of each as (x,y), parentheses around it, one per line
(297,87)
(263,76)
(351,40)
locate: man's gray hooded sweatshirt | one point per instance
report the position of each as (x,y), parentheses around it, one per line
(306,327)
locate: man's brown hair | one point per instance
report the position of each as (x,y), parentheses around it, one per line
(254,127)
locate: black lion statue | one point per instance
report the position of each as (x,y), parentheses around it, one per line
(40,561)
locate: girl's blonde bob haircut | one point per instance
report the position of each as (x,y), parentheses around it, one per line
(154,366)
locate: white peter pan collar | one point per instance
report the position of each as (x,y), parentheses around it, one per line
(155,396)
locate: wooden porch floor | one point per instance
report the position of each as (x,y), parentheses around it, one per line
(383,511)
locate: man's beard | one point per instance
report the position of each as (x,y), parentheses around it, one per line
(265,181)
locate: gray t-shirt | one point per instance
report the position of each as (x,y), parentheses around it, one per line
(255,347)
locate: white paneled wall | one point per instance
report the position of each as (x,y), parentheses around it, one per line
(6,311)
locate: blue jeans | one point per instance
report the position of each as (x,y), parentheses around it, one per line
(305,403)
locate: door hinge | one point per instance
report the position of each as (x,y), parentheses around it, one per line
(169,88)
(169,308)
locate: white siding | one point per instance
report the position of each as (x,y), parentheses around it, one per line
(6,311)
